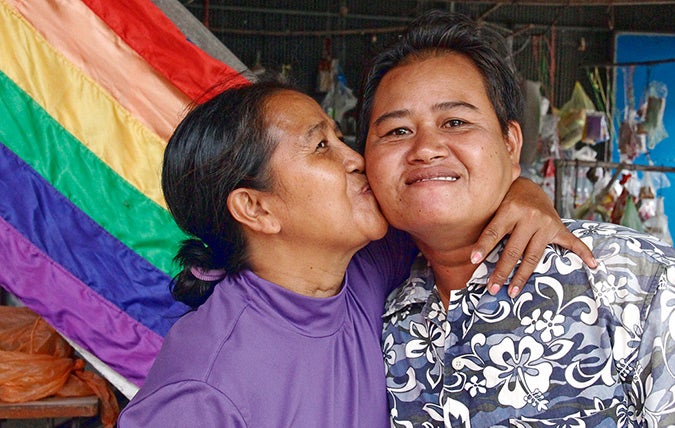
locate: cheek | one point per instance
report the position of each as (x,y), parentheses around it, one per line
(379,182)
(378,162)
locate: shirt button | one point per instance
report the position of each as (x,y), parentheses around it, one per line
(457,364)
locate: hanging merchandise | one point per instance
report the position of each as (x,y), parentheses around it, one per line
(620,204)
(595,128)
(584,185)
(549,141)
(548,184)
(630,217)
(631,143)
(531,123)
(630,190)
(324,80)
(658,224)
(647,206)
(573,117)
(340,98)
(652,114)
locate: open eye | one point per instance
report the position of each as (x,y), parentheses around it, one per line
(453,123)
(398,132)
(323,145)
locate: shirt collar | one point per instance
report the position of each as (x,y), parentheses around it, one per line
(420,287)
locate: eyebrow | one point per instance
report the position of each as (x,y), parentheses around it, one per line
(391,115)
(315,128)
(446,105)
(323,125)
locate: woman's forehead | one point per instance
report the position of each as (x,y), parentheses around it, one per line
(294,112)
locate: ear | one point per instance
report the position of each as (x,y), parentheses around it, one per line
(514,143)
(249,208)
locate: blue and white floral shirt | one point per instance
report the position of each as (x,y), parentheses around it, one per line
(578,347)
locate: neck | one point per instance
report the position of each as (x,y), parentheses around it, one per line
(452,268)
(307,271)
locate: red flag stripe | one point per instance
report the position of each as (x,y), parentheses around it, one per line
(146,29)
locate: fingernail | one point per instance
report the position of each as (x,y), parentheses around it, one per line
(493,289)
(514,291)
(476,257)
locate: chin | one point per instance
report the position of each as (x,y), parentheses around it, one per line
(377,230)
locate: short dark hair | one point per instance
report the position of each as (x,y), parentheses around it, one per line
(221,145)
(438,32)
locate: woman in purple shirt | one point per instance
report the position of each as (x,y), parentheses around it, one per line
(261,180)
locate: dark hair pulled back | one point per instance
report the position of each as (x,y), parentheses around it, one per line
(221,145)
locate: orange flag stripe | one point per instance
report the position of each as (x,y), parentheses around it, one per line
(80,105)
(106,58)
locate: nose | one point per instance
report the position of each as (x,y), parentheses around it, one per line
(427,146)
(352,160)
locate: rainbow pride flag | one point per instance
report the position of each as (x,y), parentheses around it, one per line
(90,91)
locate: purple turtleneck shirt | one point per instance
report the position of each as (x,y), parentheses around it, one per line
(258,355)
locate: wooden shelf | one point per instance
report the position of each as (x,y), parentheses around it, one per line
(52,407)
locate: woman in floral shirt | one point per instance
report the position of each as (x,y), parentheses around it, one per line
(578,346)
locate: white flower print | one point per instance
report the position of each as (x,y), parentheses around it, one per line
(560,260)
(550,325)
(522,372)
(607,292)
(608,349)
(424,338)
(531,322)
(600,229)
(388,351)
(437,312)
(475,386)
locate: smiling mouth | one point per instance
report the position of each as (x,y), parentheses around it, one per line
(424,180)
(437,179)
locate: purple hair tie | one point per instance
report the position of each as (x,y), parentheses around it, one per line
(208,274)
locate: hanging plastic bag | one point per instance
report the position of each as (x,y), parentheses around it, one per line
(630,217)
(595,128)
(620,204)
(549,142)
(324,78)
(631,143)
(339,98)
(36,362)
(647,205)
(653,112)
(573,117)
(658,224)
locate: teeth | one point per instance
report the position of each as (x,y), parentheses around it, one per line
(439,179)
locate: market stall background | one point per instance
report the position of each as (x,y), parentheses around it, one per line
(556,45)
